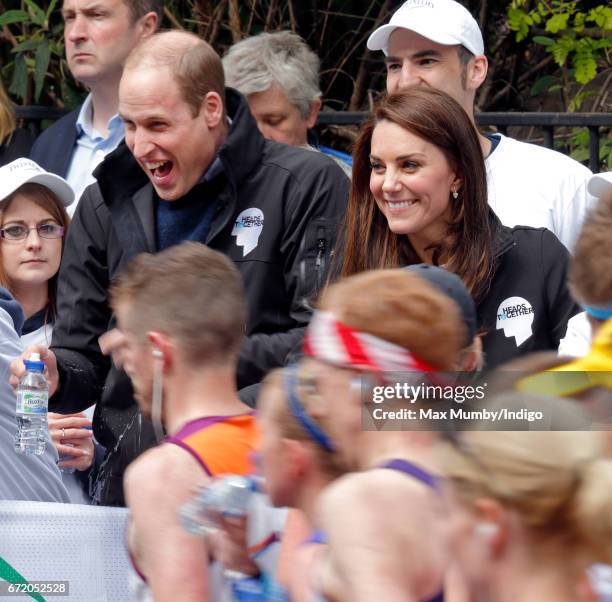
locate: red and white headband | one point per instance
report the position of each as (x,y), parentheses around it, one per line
(332,341)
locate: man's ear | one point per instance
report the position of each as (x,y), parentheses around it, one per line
(315,107)
(148,24)
(476,72)
(492,524)
(213,110)
(162,348)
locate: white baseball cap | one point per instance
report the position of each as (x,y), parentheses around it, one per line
(600,184)
(23,171)
(442,21)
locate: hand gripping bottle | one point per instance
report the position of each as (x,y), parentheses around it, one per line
(228,495)
(32,403)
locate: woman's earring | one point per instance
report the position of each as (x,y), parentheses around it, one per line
(455,194)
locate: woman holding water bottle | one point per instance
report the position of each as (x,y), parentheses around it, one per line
(33,224)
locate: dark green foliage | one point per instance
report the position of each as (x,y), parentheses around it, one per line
(549,55)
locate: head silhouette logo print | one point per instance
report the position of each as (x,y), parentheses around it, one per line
(515,316)
(247,228)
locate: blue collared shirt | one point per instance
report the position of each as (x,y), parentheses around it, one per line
(90,150)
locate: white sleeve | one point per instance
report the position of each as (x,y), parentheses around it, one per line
(577,341)
(571,212)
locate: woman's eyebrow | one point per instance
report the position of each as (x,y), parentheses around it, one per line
(15,221)
(24,223)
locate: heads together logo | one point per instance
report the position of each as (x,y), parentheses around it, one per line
(515,316)
(247,229)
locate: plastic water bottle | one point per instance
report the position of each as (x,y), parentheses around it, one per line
(32,404)
(228,496)
(70,470)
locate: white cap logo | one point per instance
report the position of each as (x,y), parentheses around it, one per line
(25,164)
(247,229)
(23,171)
(515,316)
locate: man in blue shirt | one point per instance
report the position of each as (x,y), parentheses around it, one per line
(98,36)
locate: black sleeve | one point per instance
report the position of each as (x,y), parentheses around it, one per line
(83,311)
(560,304)
(312,216)
(18,145)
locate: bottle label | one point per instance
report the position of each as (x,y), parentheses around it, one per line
(32,402)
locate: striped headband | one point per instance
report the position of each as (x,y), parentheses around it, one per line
(332,341)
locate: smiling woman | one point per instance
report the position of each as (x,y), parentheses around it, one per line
(419,195)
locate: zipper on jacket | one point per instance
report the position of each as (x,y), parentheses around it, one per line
(320,260)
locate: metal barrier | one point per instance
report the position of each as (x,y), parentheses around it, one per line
(34,115)
(546,121)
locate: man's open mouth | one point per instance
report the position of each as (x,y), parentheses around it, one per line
(159,169)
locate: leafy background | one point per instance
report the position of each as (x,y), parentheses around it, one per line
(552,55)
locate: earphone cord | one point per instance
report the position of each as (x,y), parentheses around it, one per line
(156,409)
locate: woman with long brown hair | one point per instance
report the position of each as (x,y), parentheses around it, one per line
(419,194)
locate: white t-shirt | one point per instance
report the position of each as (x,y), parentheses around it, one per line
(578,338)
(530,185)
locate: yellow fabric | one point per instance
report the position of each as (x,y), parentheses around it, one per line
(592,370)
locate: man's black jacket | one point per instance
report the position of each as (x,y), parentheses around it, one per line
(302,197)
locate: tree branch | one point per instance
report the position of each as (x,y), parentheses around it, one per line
(362,80)
(270,15)
(7,34)
(482,18)
(600,101)
(234,20)
(292,19)
(537,67)
(175,22)
(215,21)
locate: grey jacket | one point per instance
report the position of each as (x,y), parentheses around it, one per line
(31,478)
